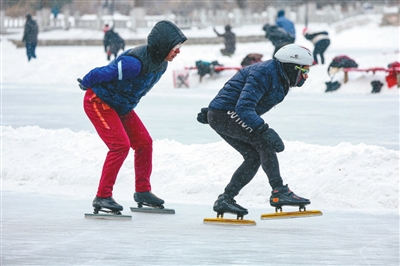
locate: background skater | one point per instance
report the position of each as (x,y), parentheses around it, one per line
(112,43)
(31,32)
(277,36)
(229,40)
(321,42)
(286,24)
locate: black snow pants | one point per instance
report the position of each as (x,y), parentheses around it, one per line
(319,49)
(255,150)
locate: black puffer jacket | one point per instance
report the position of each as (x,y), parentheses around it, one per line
(277,36)
(31,31)
(253,91)
(113,41)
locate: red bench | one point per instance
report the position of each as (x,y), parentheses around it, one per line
(392,78)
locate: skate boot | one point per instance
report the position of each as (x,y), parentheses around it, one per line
(226,203)
(284,196)
(148,199)
(109,203)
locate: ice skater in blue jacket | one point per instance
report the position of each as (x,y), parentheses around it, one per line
(235,114)
(112,93)
(284,23)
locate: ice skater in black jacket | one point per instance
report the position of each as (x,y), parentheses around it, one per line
(113,43)
(31,31)
(235,114)
(277,36)
(229,40)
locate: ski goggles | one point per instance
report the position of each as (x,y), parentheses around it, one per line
(303,70)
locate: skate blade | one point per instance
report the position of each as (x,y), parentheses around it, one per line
(287,215)
(105,216)
(224,221)
(152,210)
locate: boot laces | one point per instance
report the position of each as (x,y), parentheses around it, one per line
(233,202)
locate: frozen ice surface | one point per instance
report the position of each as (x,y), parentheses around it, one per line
(50,230)
(342,152)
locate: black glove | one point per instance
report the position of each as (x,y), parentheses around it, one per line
(202,116)
(80,85)
(269,135)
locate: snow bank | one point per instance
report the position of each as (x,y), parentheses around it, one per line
(66,162)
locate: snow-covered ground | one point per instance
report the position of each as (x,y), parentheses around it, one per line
(342,152)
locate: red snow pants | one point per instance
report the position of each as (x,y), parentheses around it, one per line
(120,133)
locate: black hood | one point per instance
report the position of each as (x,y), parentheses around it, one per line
(291,72)
(162,38)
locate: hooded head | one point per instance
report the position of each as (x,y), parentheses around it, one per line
(281,13)
(293,55)
(266,27)
(228,28)
(28,16)
(164,36)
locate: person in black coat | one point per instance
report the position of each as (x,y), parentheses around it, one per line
(30,37)
(236,113)
(229,39)
(278,36)
(113,43)
(321,42)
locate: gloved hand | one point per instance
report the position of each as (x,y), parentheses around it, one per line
(202,116)
(271,137)
(80,85)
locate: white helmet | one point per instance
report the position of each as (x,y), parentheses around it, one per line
(294,53)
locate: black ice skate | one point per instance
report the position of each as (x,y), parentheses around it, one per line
(107,205)
(148,199)
(281,196)
(225,203)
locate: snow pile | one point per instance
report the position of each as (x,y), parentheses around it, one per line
(66,162)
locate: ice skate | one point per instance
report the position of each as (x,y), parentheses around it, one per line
(148,199)
(225,203)
(153,203)
(105,204)
(110,208)
(281,196)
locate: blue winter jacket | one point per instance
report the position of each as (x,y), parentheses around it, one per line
(287,25)
(122,83)
(253,91)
